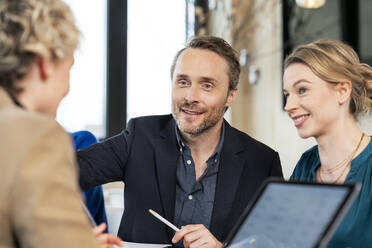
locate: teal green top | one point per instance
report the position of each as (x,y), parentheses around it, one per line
(355,229)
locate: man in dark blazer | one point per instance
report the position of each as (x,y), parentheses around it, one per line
(191,167)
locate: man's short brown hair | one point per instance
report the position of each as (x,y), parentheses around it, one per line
(219,46)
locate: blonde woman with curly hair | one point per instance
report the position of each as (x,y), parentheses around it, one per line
(327,89)
(39,195)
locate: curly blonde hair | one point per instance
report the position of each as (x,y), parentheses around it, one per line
(334,62)
(30,29)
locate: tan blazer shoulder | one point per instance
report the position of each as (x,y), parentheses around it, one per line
(41,202)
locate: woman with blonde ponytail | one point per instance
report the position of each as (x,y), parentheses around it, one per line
(327,89)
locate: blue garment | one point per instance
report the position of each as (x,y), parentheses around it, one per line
(94,199)
(355,229)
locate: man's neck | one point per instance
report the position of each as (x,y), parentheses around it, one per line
(202,146)
(204,142)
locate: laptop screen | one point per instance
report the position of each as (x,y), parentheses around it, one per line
(290,215)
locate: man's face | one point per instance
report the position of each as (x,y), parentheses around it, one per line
(200,92)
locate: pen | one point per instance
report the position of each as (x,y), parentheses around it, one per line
(164,220)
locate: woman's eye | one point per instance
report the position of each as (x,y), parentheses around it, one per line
(286,96)
(302,90)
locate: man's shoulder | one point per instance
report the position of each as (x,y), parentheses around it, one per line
(249,143)
(153,118)
(151,122)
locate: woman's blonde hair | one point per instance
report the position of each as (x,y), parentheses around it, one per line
(334,62)
(31,29)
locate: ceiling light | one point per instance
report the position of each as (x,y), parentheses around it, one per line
(310,4)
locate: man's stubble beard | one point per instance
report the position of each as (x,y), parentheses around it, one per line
(214,116)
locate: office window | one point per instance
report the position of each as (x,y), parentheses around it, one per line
(306,25)
(156,31)
(365,8)
(84,106)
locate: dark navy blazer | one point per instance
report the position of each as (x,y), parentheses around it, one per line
(144,156)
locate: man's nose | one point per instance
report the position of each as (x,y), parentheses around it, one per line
(192,94)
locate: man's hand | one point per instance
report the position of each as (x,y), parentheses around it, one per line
(196,236)
(106,240)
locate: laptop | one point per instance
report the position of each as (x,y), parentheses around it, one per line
(292,214)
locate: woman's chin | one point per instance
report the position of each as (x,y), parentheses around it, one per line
(304,135)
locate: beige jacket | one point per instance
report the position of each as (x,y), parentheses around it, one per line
(40,204)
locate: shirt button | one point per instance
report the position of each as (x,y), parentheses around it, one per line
(215,160)
(188,161)
(180,149)
(190,197)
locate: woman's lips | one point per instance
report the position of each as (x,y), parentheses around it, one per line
(299,120)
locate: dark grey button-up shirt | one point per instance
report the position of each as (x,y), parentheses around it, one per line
(194,199)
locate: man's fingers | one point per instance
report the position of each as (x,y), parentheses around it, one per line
(194,240)
(192,236)
(184,231)
(196,243)
(196,236)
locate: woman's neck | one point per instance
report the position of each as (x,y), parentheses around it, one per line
(339,144)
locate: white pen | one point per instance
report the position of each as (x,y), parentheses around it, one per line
(164,220)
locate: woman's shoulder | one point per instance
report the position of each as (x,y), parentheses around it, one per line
(310,153)
(309,159)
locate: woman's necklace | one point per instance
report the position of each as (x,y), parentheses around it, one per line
(344,163)
(338,166)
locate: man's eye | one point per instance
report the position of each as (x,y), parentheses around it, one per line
(182,82)
(207,85)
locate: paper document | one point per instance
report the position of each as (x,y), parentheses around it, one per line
(141,245)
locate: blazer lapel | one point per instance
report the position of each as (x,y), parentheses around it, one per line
(230,170)
(166,159)
(231,167)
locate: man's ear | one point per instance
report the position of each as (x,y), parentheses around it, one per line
(344,89)
(231,97)
(45,68)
